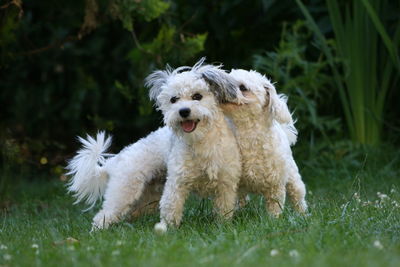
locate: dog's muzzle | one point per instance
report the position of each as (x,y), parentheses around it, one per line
(184,112)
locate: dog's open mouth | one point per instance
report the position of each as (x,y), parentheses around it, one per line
(189,126)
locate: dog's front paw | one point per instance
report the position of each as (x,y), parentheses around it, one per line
(274,209)
(160,228)
(301,207)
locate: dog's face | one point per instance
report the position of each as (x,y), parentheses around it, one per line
(259,99)
(189,97)
(187,103)
(256,92)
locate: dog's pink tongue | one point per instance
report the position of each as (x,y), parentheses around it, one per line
(188,126)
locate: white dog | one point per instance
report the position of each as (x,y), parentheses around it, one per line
(265,131)
(135,177)
(204,156)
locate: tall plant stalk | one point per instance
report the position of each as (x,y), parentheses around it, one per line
(369,63)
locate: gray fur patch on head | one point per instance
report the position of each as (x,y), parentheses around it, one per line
(156,80)
(224,87)
(221,84)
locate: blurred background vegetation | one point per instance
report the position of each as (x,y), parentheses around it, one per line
(72,67)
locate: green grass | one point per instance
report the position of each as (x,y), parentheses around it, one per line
(340,230)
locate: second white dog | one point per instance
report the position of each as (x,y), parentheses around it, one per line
(265,131)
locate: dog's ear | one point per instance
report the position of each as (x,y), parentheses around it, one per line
(223,86)
(156,80)
(277,105)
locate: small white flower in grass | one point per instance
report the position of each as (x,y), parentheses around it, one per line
(378,244)
(35,246)
(71,240)
(294,253)
(119,243)
(71,248)
(392,191)
(90,248)
(3,247)
(382,196)
(116,253)
(7,257)
(356,196)
(366,203)
(274,252)
(310,192)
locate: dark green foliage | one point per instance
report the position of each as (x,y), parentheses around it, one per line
(63,75)
(236,29)
(369,65)
(304,80)
(127,10)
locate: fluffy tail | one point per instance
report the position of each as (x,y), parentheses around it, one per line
(89,179)
(286,120)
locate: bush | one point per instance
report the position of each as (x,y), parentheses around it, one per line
(304,78)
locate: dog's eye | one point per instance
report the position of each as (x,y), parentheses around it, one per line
(173,99)
(197,97)
(243,88)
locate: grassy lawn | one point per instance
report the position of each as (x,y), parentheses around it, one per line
(41,227)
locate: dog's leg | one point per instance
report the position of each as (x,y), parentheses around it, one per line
(275,199)
(120,195)
(149,202)
(226,197)
(171,204)
(224,202)
(297,191)
(129,173)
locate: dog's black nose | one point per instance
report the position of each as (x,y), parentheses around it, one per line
(184,112)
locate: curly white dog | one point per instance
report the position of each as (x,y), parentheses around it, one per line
(265,131)
(204,155)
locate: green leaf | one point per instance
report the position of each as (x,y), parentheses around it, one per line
(390,44)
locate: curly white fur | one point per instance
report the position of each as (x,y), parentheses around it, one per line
(204,156)
(264,131)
